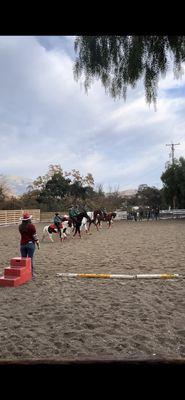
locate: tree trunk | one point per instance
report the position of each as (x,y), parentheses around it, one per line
(174,201)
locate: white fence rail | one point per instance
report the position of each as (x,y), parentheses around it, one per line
(172,214)
(12,217)
(121,215)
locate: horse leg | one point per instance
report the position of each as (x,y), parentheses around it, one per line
(81,226)
(64,233)
(75,229)
(68,230)
(95,223)
(63,236)
(50,236)
(45,233)
(99,223)
(43,236)
(86,228)
(78,230)
(90,222)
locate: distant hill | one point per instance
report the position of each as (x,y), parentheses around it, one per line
(17,185)
(128,193)
(125,193)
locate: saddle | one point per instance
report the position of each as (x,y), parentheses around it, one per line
(53,226)
(65,218)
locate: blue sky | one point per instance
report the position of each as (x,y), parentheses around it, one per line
(47,118)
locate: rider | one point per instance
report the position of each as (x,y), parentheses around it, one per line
(57,222)
(73,212)
(104,211)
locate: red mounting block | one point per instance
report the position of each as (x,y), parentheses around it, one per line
(17,273)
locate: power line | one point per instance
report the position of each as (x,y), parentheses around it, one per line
(172,145)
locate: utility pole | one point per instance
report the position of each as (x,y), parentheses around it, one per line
(172,145)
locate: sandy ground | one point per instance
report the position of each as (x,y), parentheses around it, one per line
(60,318)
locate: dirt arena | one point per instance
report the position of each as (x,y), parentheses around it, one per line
(64,319)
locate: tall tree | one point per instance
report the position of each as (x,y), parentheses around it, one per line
(2,194)
(149,196)
(40,182)
(173,179)
(57,187)
(89,180)
(121,61)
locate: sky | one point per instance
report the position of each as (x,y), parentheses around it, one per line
(47,118)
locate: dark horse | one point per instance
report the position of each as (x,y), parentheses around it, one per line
(77,220)
(108,218)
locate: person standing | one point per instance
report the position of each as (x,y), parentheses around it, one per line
(28,238)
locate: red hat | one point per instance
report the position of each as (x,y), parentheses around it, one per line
(25,217)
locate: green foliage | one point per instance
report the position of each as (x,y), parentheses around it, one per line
(174,184)
(113,201)
(146,197)
(2,194)
(76,190)
(57,186)
(56,190)
(121,61)
(150,196)
(12,203)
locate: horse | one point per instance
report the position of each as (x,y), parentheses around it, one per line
(100,212)
(96,214)
(84,222)
(77,221)
(50,229)
(108,218)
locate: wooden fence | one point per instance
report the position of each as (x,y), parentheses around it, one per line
(11,217)
(48,216)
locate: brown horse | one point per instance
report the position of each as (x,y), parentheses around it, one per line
(108,218)
(98,213)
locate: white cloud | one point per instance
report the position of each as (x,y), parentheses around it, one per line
(46,117)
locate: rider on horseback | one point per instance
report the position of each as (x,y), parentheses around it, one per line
(73,212)
(104,211)
(57,222)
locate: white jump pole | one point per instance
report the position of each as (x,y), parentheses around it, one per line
(119,276)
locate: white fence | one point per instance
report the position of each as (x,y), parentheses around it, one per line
(11,217)
(163,214)
(121,215)
(172,214)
